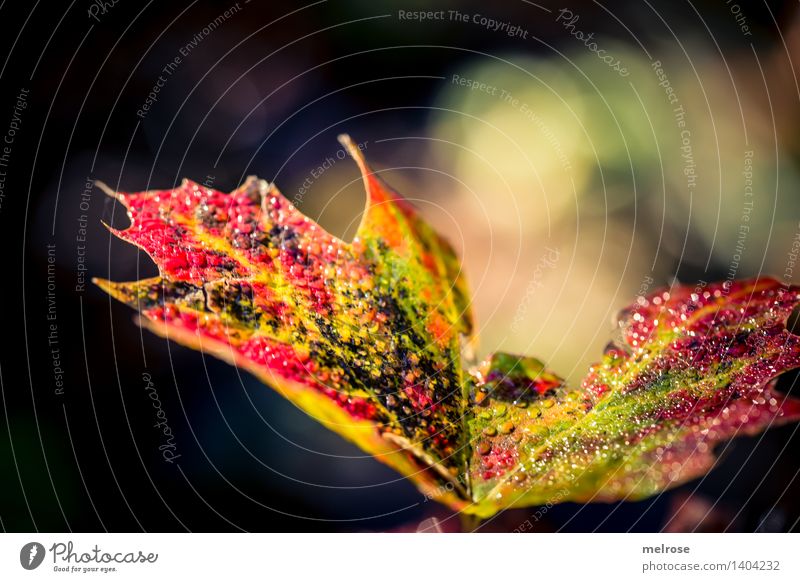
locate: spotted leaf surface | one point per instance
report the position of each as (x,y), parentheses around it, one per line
(364,336)
(695,368)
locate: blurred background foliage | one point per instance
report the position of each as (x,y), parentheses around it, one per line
(564,204)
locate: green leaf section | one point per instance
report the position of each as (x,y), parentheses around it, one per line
(366,337)
(695,368)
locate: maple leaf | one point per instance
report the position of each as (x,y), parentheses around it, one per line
(364,336)
(367,337)
(696,367)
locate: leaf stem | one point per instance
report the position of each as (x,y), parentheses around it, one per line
(469,522)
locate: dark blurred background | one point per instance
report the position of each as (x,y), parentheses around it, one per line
(567,184)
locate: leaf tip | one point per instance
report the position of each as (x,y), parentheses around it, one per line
(105,285)
(378,192)
(355,153)
(111,229)
(108,191)
(345,140)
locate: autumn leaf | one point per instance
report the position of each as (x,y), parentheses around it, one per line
(367,337)
(364,336)
(696,367)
